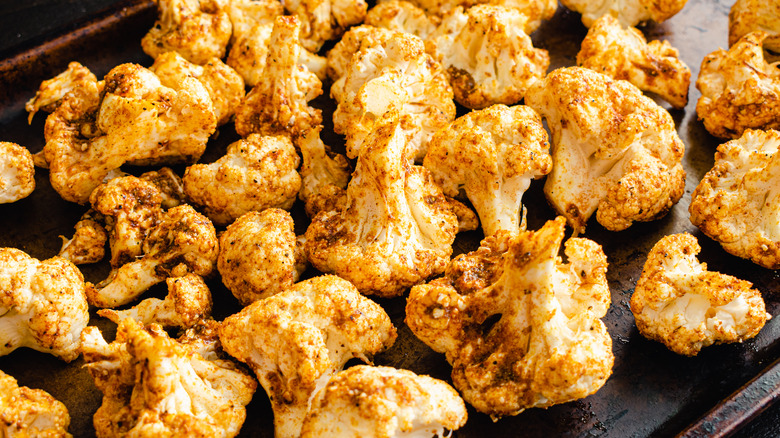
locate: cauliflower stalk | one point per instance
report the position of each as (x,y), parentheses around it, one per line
(17,172)
(324,175)
(32,413)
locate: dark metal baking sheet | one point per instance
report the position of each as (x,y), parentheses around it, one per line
(652,391)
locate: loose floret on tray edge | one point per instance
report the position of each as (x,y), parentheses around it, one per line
(30,413)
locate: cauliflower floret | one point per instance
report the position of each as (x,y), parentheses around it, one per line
(17,172)
(52,91)
(395,74)
(252,24)
(259,255)
(42,304)
(324,20)
(278,105)
(297,339)
(613,149)
(628,12)
(256,173)
(750,15)
(681,304)
(625,54)
(170,184)
(134,120)
(737,201)
(384,402)
(402,16)
(487,56)
(323,175)
(155,386)
(184,241)
(197,29)
(739,89)
(548,345)
(355,39)
(30,413)
(395,229)
(88,244)
(493,154)
(534,10)
(188,302)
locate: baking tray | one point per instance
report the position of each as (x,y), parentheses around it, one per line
(652,392)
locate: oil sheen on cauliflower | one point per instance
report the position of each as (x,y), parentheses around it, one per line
(30,413)
(487,56)
(297,339)
(492,154)
(747,16)
(43,305)
(737,201)
(681,304)
(547,346)
(153,385)
(402,16)
(625,54)
(740,90)
(383,402)
(257,172)
(613,149)
(395,228)
(17,172)
(628,12)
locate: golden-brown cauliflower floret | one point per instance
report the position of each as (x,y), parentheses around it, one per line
(297,339)
(259,255)
(534,10)
(492,154)
(134,120)
(52,91)
(395,74)
(739,89)
(383,402)
(324,20)
(613,149)
(155,386)
(17,172)
(628,12)
(547,347)
(197,29)
(625,54)
(402,16)
(278,105)
(395,229)
(42,304)
(88,244)
(30,413)
(681,304)
(737,201)
(256,173)
(487,56)
(324,175)
(183,241)
(170,184)
(356,38)
(750,15)
(188,303)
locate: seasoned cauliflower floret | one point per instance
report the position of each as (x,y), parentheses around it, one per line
(356,38)
(153,385)
(297,339)
(678,302)
(257,172)
(487,56)
(259,255)
(17,172)
(88,244)
(197,29)
(324,20)
(750,15)
(739,89)
(170,184)
(395,228)
(534,10)
(627,12)
(737,201)
(493,154)
(52,91)
(324,175)
(384,402)
(402,16)
(42,304)
(30,413)
(613,149)
(625,54)
(548,345)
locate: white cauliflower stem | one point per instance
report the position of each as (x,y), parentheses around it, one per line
(17,172)
(33,413)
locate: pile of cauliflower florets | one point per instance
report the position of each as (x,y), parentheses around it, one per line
(518,319)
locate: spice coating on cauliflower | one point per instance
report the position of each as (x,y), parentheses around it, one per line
(487,56)
(739,89)
(395,229)
(42,304)
(493,154)
(613,149)
(625,54)
(402,16)
(324,175)
(356,38)
(681,304)
(324,20)
(259,255)
(52,91)
(153,385)
(297,339)
(256,173)
(737,201)
(548,346)
(30,413)
(88,244)
(628,12)
(384,402)
(534,10)
(17,172)
(747,16)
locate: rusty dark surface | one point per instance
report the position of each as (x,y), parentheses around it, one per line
(652,392)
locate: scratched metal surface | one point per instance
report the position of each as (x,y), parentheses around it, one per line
(652,391)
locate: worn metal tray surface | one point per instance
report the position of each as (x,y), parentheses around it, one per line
(652,391)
